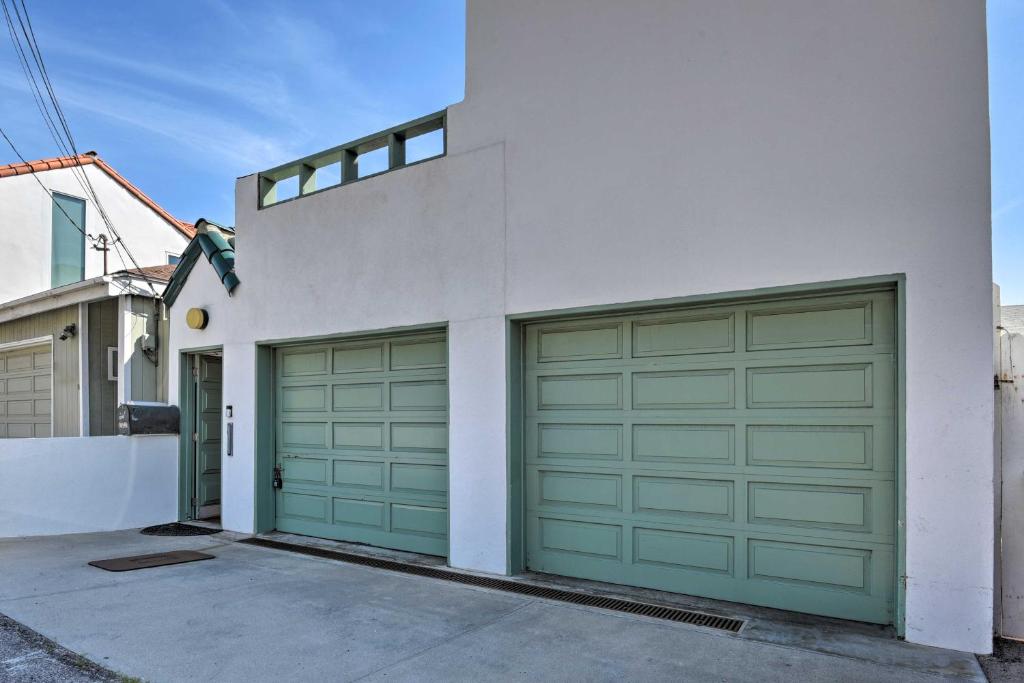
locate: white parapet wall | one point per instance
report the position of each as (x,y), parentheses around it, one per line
(99,483)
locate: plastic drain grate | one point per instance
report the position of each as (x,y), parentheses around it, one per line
(676,614)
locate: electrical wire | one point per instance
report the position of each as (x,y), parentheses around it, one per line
(46,189)
(63,143)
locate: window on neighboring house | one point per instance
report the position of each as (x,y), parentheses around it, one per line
(112,363)
(173,259)
(67,254)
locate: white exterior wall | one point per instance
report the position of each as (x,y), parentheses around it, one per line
(1010,443)
(614,152)
(26,215)
(85,484)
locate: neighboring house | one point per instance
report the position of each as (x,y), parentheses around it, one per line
(69,356)
(666,302)
(1013,318)
(50,228)
(79,334)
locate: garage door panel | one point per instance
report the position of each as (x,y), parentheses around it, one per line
(579,342)
(359,474)
(297,363)
(358,358)
(418,353)
(294,435)
(428,438)
(557,441)
(561,537)
(358,397)
(300,470)
(362,436)
(364,513)
(580,490)
(663,467)
(684,334)
(431,395)
(684,389)
(812,386)
(683,550)
(25,396)
(686,497)
(832,446)
(419,479)
(579,392)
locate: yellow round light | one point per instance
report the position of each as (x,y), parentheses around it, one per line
(197,318)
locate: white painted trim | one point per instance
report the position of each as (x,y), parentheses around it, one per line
(35,341)
(123,332)
(112,358)
(83,369)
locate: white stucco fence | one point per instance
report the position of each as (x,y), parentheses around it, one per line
(72,485)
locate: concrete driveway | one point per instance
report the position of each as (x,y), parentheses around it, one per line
(254,614)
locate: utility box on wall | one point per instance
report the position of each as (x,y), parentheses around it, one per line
(136,419)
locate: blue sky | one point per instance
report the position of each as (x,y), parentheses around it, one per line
(183,97)
(1006,113)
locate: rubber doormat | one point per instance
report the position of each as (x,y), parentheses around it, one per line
(178,529)
(127,564)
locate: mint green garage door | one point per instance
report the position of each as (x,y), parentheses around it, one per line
(362,441)
(742,452)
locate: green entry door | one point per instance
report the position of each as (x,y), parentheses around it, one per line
(25,405)
(362,441)
(207,436)
(743,452)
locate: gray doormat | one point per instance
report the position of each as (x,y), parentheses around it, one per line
(126,564)
(178,529)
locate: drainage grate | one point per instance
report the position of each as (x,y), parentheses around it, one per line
(629,606)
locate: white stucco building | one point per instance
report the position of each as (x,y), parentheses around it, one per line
(696,297)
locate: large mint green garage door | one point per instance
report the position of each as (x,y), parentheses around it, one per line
(362,441)
(742,452)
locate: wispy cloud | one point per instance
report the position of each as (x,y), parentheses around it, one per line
(220,89)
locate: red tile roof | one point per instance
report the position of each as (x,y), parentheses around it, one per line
(162,273)
(21,168)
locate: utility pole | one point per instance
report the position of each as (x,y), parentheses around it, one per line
(104,248)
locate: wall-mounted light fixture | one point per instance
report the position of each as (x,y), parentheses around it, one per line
(69,331)
(197,318)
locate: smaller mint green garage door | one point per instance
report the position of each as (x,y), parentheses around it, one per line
(25,380)
(362,441)
(743,452)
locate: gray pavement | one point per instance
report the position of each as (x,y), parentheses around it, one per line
(254,614)
(28,657)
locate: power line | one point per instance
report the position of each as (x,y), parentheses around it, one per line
(77,170)
(46,189)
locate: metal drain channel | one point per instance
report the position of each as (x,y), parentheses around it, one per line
(676,614)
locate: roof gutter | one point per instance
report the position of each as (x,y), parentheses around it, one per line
(86,291)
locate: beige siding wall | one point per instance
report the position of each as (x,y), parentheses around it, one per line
(66,403)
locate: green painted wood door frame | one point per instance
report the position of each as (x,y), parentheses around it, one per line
(187,415)
(514,338)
